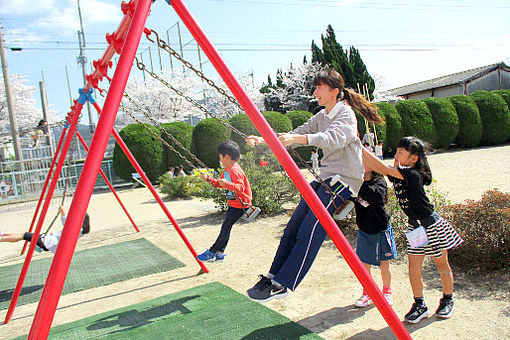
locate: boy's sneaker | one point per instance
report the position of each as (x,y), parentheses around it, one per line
(388,298)
(219,256)
(445,309)
(206,256)
(265,290)
(363,301)
(417,313)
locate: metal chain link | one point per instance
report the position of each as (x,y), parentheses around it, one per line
(162,44)
(142,110)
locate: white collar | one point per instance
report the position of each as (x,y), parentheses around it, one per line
(334,111)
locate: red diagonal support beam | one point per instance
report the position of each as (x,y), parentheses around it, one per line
(292,170)
(151,188)
(63,256)
(112,189)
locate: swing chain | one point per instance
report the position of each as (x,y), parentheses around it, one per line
(142,67)
(162,44)
(142,110)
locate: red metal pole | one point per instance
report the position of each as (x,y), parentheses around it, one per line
(292,170)
(112,189)
(48,177)
(74,116)
(63,256)
(149,185)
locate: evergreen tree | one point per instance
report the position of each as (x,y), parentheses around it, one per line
(349,65)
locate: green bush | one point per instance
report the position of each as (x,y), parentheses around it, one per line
(495,117)
(470,123)
(180,186)
(446,121)
(242,123)
(147,150)
(417,120)
(182,132)
(206,138)
(485,227)
(279,123)
(298,118)
(271,188)
(393,126)
(505,94)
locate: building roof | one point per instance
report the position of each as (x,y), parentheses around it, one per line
(451,79)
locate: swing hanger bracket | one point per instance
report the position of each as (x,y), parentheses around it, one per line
(86,96)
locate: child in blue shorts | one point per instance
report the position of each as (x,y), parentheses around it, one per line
(375,244)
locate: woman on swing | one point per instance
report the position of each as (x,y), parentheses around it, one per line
(50,241)
(334,130)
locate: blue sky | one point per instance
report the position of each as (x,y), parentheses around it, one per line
(401,42)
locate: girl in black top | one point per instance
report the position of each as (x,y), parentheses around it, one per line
(409,174)
(375,244)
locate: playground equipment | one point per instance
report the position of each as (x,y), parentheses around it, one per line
(125,41)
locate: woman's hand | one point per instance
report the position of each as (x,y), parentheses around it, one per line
(254,140)
(290,138)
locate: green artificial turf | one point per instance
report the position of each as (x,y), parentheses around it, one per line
(89,268)
(211,311)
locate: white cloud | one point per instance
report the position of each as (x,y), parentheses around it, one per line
(93,12)
(15,37)
(25,6)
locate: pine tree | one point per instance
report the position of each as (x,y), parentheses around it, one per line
(349,65)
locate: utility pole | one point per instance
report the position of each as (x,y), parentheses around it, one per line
(71,103)
(82,59)
(10,105)
(44,104)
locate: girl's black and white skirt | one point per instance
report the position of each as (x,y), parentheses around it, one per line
(441,235)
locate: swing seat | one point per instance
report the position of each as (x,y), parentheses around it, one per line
(250,214)
(136,176)
(343,211)
(38,249)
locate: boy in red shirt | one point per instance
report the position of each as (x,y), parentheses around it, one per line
(239,197)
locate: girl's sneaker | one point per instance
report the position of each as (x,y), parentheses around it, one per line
(388,298)
(363,301)
(445,309)
(417,313)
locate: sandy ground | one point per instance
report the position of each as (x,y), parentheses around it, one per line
(323,302)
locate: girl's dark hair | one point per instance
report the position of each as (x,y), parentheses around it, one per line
(416,146)
(334,80)
(230,148)
(376,175)
(85,227)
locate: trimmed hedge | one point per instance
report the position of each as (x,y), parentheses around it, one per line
(147,150)
(298,118)
(206,138)
(446,121)
(278,122)
(182,132)
(470,123)
(242,123)
(417,120)
(394,130)
(495,117)
(505,94)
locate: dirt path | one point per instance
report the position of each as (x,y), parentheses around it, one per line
(323,302)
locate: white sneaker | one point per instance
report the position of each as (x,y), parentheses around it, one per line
(389,298)
(363,301)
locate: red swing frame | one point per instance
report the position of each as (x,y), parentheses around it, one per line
(136,13)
